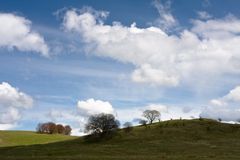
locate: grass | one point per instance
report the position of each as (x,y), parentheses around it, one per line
(19,138)
(169,140)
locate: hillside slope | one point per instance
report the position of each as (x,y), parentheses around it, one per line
(169,140)
(18,138)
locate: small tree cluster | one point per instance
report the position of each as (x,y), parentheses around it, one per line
(52,128)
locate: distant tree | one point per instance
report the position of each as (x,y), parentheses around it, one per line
(151,115)
(219,119)
(68,130)
(101,124)
(127,127)
(60,129)
(143,122)
(52,128)
(39,128)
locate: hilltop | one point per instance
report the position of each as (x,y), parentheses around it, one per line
(169,140)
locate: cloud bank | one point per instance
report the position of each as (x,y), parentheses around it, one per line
(160,58)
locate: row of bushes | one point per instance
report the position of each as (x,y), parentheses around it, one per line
(52,128)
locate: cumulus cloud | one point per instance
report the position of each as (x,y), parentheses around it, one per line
(147,74)
(232,97)
(15,32)
(225,107)
(12,101)
(91,106)
(160,58)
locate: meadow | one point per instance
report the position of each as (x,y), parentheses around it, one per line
(168,140)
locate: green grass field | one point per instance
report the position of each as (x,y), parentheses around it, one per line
(169,140)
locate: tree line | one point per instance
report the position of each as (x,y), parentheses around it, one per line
(52,128)
(99,124)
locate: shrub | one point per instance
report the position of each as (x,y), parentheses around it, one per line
(127,127)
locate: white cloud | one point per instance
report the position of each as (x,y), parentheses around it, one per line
(160,58)
(9,116)
(92,106)
(166,20)
(225,107)
(15,32)
(6,126)
(232,97)
(204,15)
(218,102)
(147,74)
(12,97)
(159,107)
(12,101)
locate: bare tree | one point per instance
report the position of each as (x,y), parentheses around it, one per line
(151,115)
(101,124)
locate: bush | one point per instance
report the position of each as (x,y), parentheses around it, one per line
(127,127)
(143,122)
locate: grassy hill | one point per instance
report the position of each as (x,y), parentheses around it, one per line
(169,140)
(18,138)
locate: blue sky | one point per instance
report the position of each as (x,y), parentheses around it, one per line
(64,60)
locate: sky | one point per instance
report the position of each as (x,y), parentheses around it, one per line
(65,60)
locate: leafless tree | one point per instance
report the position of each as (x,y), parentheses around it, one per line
(151,115)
